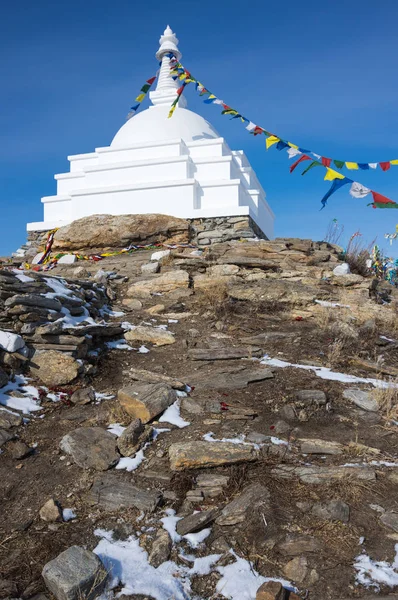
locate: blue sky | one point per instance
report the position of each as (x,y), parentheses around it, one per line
(322,75)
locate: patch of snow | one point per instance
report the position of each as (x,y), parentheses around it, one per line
(172,415)
(169,523)
(21,276)
(181,394)
(195,539)
(240,581)
(68,514)
(203,565)
(143,350)
(105,310)
(327,304)
(383,337)
(128,566)
(11,342)
(116,429)
(127,326)
(278,441)
(160,254)
(131,463)
(118,345)
(371,573)
(208,437)
(101,396)
(172,321)
(326,373)
(28,403)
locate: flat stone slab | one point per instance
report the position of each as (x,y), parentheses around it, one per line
(76,573)
(335,510)
(390,519)
(231,380)
(251,498)
(146,401)
(319,475)
(153,335)
(9,419)
(311,397)
(33,300)
(299,544)
(224,353)
(91,448)
(315,446)
(151,377)
(193,455)
(113,494)
(362,399)
(196,522)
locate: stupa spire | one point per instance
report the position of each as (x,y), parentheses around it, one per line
(167,87)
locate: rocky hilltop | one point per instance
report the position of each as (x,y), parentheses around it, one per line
(206,420)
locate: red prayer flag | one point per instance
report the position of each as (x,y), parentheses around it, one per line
(151,80)
(257,130)
(326,161)
(294,165)
(379,199)
(385,165)
(180,90)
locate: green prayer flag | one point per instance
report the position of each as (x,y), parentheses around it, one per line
(339,163)
(314,163)
(145,88)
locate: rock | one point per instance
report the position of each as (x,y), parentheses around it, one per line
(132,303)
(5,436)
(196,522)
(51,512)
(19,450)
(281,427)
(226,353)
(110,231)
(256,438)
(54,368)
(144,333)
(224,270)
(152,377)
(83,396)
(232,379)
(9,419)
(299,544)
(335,510)
(252,498)
(204,480)
(11,342)
(390,519)
(161,549)
(152,267)
(155,310)
(343,269)
(164,283)
(317,475)
(113,494)
(296,569)
(34,301)
(8,589)
(346,280)
(270,590)
(91,448)
(67,259)
(362,399)
(131,439)
(160,254)
(192,455)
(146,401)
(311,397)
(3,378)
(315,446)
(288,412)
(76,573)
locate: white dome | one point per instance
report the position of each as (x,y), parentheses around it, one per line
(153,125)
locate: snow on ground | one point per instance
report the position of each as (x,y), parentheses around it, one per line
(327,304)
(326,373)
(143,350)
(118,345)
(240,581)
(371,573)
(208,437)
(68,514)
(21,276)
(169,523)
(116,428)
(28,403)
(195,539)
(131,463)
(172,415)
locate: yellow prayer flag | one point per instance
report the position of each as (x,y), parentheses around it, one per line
(140,98)
(292,145)
(394,162)
(271,140)
(351,165)
(212,97)
(331,174)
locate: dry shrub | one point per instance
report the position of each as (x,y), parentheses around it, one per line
(387,399)
(214,298)
(334,232)
(118,415)
(335,353)
(358,253)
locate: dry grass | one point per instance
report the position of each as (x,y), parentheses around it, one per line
(214,298)
(387,399)
(358,253)
(116,414)
(335,353)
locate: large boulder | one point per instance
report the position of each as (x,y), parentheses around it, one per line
(118,231)
(54,368)
(91,448)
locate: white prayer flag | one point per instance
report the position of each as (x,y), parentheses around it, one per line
(358,190)
(292,152)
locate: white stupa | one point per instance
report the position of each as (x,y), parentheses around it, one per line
(178,166)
